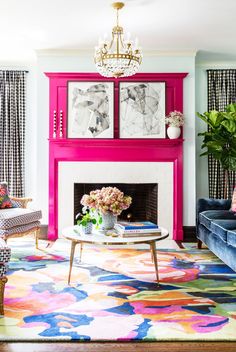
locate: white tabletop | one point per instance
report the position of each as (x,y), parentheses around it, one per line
(73,233)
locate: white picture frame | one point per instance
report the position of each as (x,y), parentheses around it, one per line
(90,109)
(142,110)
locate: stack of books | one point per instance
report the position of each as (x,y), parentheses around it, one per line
(134,229)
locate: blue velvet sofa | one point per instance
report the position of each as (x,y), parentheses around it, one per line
(216,227)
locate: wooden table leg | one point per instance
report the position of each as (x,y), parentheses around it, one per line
(72,252)
(81,249)
(154,256)
(151,253)
(37,234)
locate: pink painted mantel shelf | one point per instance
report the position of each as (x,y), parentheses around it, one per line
(62,149)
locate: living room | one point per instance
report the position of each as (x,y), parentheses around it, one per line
(186,62)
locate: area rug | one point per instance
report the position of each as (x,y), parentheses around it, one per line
(114,297)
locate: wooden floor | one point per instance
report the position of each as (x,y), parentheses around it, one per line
(120,347)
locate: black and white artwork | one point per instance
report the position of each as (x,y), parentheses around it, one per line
(90,110)
(142,110)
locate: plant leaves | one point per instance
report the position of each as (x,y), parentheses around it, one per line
(220,139)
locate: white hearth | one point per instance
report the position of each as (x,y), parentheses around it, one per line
(115,172)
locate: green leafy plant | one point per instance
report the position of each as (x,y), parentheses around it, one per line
(220,139)
(88,216)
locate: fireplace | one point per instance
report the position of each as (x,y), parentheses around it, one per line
(119,161)
(152,182)
(144,199)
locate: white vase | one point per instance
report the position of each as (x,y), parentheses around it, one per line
(108,221)
(87,230)
(173,132)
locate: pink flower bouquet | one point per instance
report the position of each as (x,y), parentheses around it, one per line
(107,199)
(175,119)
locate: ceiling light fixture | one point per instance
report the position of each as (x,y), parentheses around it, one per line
(119,57)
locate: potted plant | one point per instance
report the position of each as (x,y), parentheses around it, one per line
(174,120)
(86,220)
(220,139)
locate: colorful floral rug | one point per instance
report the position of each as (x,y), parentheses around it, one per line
(114,297)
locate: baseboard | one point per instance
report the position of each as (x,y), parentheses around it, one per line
(189,234)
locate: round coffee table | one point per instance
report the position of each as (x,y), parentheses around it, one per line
(75,236)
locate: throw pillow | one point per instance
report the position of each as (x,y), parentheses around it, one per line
(233,204)
(5,201)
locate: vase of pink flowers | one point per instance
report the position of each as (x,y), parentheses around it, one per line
(109,202)
(174,120)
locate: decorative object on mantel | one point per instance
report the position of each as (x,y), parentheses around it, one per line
(117,58)
(142,109)
(174,120)
(54,124)
(87,219)
(90,109)
(109,202)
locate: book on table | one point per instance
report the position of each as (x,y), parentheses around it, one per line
(140,234)
(136,225)
(135,229)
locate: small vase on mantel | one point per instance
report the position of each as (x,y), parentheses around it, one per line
(108,221)
(173,132)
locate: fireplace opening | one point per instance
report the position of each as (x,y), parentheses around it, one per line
(144,199)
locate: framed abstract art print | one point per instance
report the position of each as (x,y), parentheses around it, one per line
(90,109)
(142,109)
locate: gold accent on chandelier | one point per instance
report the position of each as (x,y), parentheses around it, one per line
(119,58)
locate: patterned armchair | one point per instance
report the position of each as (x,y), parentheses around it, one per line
(16,220)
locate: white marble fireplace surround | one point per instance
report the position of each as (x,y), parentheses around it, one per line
(115,172)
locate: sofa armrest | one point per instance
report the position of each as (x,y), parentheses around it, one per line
(212,204)
(23,202)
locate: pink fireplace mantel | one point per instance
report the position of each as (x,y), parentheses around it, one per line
(62,149)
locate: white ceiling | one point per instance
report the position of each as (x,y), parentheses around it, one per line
(160,25)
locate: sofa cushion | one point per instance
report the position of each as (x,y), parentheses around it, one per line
(19,229)
(233,203)
(231,238)
(18,216)
(207,216)
(220,227)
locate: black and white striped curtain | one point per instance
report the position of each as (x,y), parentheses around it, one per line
(221,92)
(12,130)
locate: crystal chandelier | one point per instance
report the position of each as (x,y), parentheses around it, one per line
(119,58)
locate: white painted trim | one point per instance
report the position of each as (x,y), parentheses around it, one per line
(90,52)
(212,64)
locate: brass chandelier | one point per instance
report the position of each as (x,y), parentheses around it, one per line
(119,58)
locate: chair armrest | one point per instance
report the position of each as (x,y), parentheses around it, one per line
(23,202)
